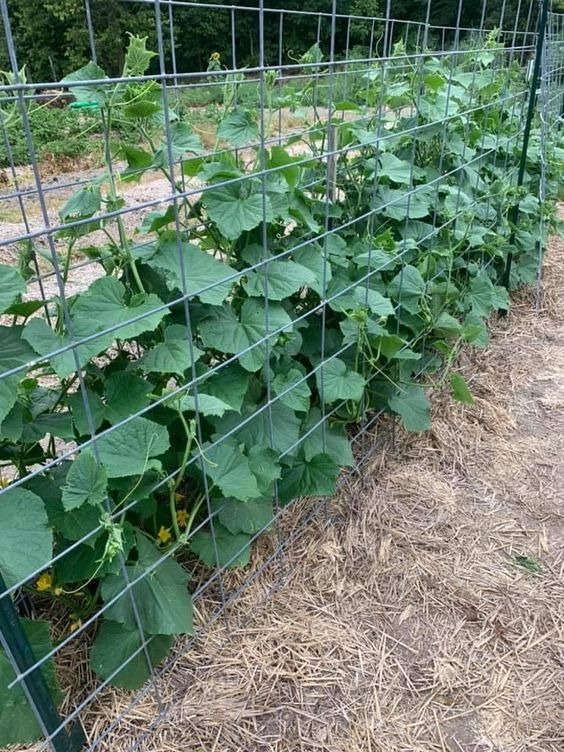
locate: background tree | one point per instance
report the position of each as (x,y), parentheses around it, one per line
(52,37)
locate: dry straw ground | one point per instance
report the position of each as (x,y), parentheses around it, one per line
(409,622)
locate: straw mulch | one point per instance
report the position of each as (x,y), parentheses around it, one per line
(425,610)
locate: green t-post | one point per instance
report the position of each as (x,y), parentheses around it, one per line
(514,215)
(36,689)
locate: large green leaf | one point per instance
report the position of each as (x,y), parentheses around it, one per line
(326,439)
(163,603)
(244,516)
(103,306)
(283,421)
(14,351)
(352,299)
(114,647)
(126,394)
(446,325)
(337,382)
(223,331)
(86,482)
(72,525)
(412,405)
(239,128)
(294,389)
(204,276)
(475,331)
(174,355)
(233,551)
(75,524)
(83,561)
(183,140)
(143,100)
(314,477)
(397,170)
(82,204)
(484,296)
(407,287)
(8,395)
(265,466)
(283,278)
(229,469)
(45,341)
(235,209)
(87,92)
(138,162)
(131,449)
(18,724)
(311,256)
(57,424)
(78,411)
(399,204)
(207,404)
(230,384)
(279,157)
(374,301)
(25,308)
(11,427)
(352,329)
(12,284)
(27,541)
(343,292)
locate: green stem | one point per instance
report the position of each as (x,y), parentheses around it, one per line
(172,508)
(180,477)
(195,509)
(107,125)
(66,268)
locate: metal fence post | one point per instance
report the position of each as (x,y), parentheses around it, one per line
(35,687)
(514,214)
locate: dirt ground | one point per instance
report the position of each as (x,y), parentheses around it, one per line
(424,611)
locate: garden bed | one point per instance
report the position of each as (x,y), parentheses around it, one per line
(426,610)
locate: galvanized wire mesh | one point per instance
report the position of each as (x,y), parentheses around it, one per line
(348,118)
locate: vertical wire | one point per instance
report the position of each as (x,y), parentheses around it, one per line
(390,47)
(315,97)
(347,64)
(413,159)
(518,105)
(263,136)
(515,29)
(443,137)
(466,136)
(526,34)
(91,38)
(547,63)
(502,14)
(329,173)
(67,320)
(25,220)
(417,39)
(233,40)
(383,63)
(492,105)
(172,48)
(280,72)
(185,303)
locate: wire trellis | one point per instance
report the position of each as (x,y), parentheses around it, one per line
(234,297)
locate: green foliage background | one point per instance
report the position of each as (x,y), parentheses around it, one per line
(54,36)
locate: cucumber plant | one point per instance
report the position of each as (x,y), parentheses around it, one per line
(234,339)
